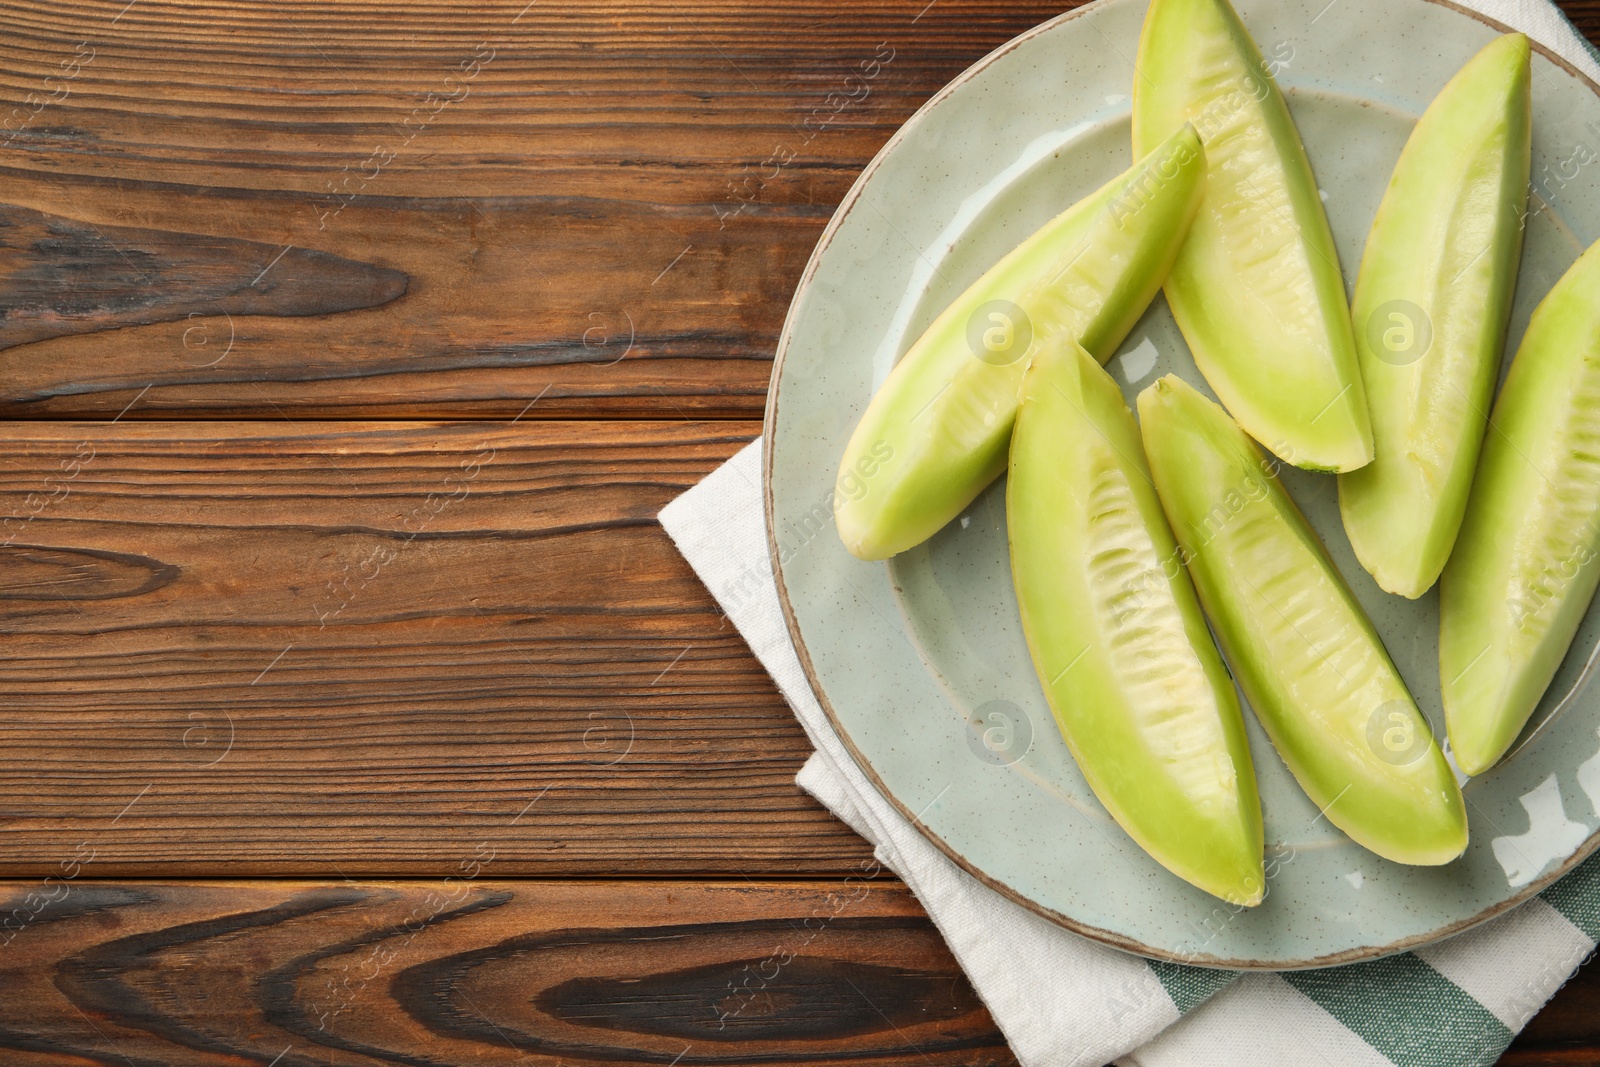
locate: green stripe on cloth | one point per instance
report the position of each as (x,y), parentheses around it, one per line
(1577,897)
(1189,986)
(1407,1011)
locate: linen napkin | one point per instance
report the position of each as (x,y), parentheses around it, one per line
(1062,1000)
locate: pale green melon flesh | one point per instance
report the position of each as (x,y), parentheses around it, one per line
(1527,560)
(1256,289)
(1305,654)
(936,432)
(1117,637)
(1435,293)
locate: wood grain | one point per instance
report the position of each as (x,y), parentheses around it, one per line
(483,971)
(356,649)
(60,277)
(607,204)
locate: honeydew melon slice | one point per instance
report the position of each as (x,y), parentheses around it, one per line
(1256,289)
(1116,634)
(936,432)
(1430,310)
(1305,654)
(1527,560)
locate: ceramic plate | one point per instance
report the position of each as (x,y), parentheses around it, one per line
(920,661)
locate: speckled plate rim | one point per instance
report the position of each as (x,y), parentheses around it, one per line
(768,435)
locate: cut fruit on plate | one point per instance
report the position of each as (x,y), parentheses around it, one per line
(935,434)
(1431,306)
(1528,558)
(1303,651)
(1116,634)
(1256,289)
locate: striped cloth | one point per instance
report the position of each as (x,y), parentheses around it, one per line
(1065,1001)
(1459,1002)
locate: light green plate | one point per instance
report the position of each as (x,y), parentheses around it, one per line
(920,662)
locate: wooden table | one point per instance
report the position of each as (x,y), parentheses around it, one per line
(356,708)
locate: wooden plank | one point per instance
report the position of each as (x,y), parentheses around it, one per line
(608,205)
(605,204)
(302,648)
(483,971)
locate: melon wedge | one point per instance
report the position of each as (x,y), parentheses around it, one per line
(1256,289)
(1305,654)
(936,432)
(1432,302)
(1117,637)
(1527,560)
